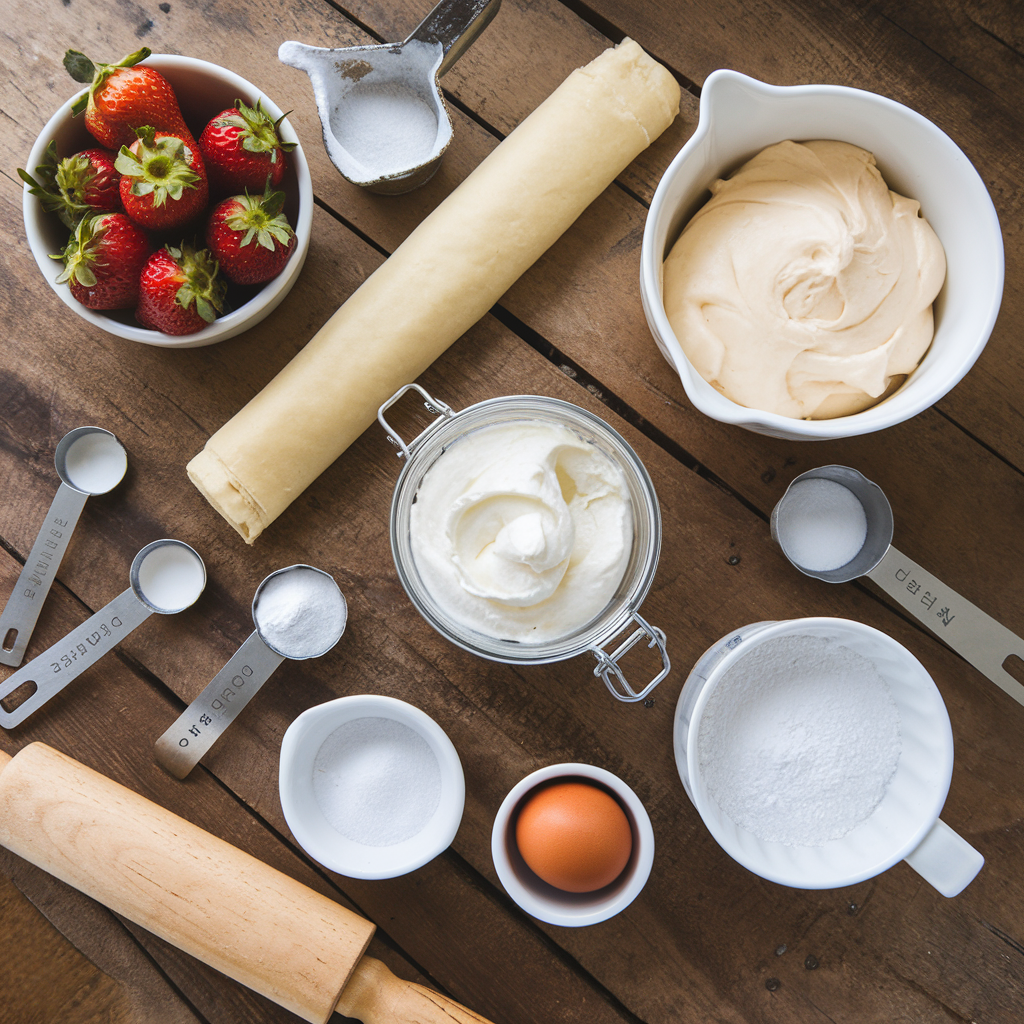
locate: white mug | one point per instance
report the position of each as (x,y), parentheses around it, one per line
(904,826)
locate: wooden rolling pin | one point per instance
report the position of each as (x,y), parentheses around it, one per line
(203,895)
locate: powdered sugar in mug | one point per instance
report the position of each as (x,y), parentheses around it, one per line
(825,758)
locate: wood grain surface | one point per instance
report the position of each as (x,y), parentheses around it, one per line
(706,940)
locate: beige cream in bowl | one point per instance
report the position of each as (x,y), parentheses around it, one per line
(740,118)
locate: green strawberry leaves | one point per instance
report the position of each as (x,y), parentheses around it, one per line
(259,133)
(81,252)
(159,169)
(260,218)
(201,284)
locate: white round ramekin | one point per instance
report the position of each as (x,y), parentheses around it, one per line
(203,90)
(740,116)
(904,826)
(315,834)
(545,902)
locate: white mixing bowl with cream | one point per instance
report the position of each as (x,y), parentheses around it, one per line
(739,117)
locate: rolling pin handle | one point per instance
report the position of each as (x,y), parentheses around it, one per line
(375,996)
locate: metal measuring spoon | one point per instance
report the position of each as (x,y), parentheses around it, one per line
(351,83)
(89,460)
(204,721)
(166,576)
(972,633)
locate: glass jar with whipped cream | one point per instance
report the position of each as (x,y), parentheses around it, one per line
(526,530)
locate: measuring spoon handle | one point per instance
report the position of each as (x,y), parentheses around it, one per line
(972,633)
(67,659)
(455,24)
(26,600)
(203,722)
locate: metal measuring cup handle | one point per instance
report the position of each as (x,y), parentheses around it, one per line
(454,24)
(67,659)
(205,720)
(25,604)
(972,633)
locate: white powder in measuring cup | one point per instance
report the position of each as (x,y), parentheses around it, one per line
(386,127)
(300,612)
(377,781)
(799,740)
(821,524)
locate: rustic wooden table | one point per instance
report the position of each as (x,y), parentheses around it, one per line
(706,940)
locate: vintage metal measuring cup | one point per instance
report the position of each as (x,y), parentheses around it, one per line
(973,634)
(385,122)
(89,460)
(166,576)
(205,720)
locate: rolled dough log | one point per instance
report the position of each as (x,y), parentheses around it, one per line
(436,285)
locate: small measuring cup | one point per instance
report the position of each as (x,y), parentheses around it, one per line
(205,720)
(89,460)
(166,576)
(973,634)
(385,122)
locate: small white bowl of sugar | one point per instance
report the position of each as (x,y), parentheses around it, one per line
(371,787)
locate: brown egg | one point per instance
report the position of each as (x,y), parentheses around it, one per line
(574,836)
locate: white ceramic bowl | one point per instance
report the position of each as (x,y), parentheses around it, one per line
(904,825)
(312,830)
(740,116)
(545,902)
(203,90)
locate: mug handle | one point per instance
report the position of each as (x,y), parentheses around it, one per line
(945,860)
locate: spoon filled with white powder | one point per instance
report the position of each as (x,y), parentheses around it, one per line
(836,525)
(299,613)
(89,461)
(166,576)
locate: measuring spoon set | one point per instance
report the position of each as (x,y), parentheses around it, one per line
(166,576)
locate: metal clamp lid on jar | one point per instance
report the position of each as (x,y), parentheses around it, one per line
(641,567)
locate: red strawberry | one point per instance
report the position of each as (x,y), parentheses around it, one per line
(103,260)
(242,149)
(180,291)
(77,185)
(163,180)
(250,237)
(122,97)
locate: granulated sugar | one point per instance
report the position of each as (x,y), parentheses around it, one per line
(821,524)
(799,740)
(377,781)
(387,127)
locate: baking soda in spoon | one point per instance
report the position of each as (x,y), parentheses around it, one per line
(299,613)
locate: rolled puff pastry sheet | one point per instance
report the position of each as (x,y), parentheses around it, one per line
(442,279)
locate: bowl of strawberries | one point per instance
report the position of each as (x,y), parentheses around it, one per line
(169,202)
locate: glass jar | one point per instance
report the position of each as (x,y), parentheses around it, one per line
(618,615)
